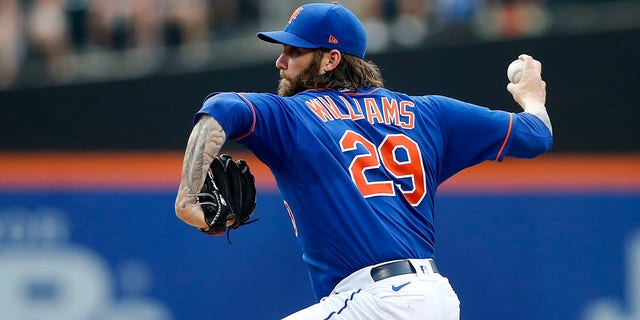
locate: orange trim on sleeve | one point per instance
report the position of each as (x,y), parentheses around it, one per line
(504,144)
(253,125)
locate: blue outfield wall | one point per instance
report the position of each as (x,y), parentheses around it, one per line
(124,255)
(543,256)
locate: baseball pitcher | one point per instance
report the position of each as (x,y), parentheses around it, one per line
(357,165)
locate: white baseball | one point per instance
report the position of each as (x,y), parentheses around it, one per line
(514,71)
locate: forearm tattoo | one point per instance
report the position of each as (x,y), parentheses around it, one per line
(205,142)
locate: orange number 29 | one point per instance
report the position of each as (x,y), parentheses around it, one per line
(384,158)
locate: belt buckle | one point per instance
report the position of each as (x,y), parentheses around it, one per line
(425,268)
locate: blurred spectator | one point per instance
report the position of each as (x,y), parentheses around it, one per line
(393,22)
(146,23)
(109,24)
(411,26)
(454,17)
(513,19)
(188,23)
(231,17)
(77,22)
(190,19)
(10,40)
(49,37)
(375,16)
(457,11)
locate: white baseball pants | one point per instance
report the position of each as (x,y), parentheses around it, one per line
(424,294)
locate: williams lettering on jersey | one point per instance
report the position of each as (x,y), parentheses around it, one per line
(381,110)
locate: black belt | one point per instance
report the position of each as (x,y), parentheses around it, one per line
(397,268)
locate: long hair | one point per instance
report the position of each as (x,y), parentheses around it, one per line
(351,73)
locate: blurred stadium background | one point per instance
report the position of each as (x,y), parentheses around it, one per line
(97,98)
(48,42)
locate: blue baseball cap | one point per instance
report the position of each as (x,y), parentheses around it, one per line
(322,25)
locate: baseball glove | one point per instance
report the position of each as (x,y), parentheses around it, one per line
(228,192)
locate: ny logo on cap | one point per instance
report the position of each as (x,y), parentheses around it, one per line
(295,14)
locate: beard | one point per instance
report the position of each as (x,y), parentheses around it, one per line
(288,87)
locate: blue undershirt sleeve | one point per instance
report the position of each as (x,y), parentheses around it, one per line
(530,136)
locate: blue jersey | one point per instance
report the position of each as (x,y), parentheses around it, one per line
(358,171)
